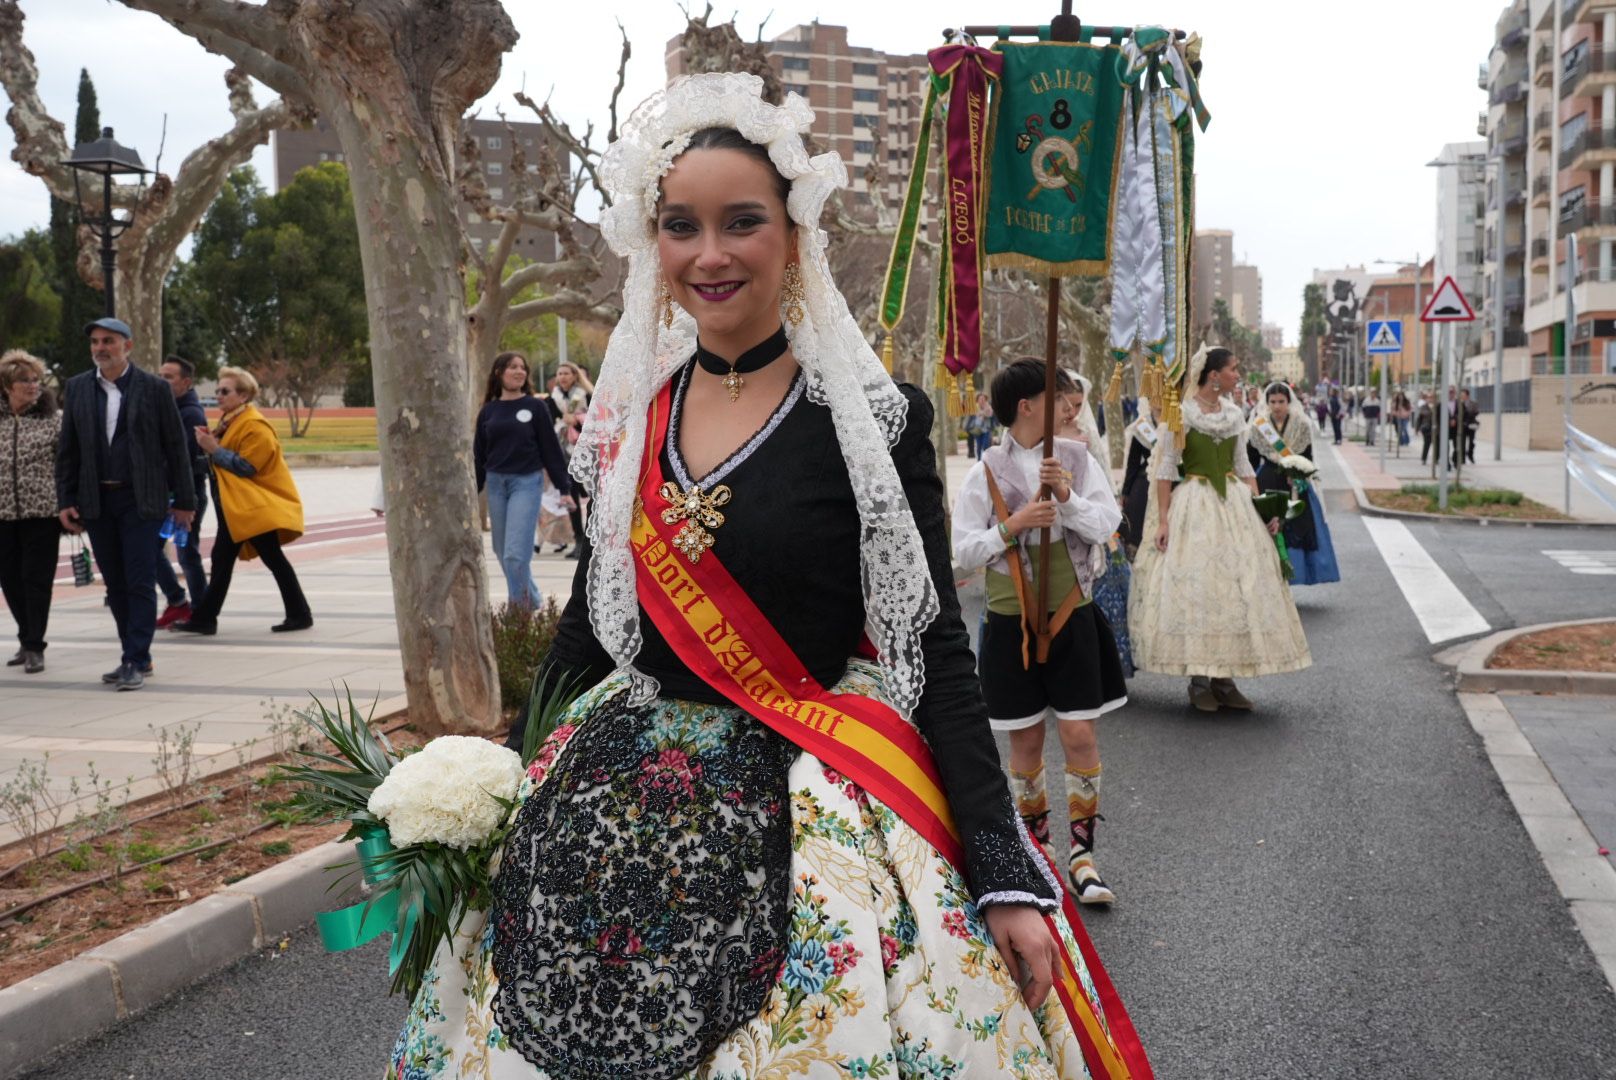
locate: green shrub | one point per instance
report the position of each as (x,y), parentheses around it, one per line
(522,637)
(276,847)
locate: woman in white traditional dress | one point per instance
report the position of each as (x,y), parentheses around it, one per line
(697,882)
(1209,597)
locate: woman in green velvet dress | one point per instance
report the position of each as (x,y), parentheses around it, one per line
(1209,598)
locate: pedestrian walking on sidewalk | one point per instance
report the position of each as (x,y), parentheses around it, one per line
(1371,415)
(179,373)
(1209,596)
(260,511)
(1401,411)
(1425,424)
(121,469)
(30,534)
(569,405)
(514,446)
(1335,414)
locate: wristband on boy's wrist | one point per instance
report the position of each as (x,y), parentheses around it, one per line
(1006,536)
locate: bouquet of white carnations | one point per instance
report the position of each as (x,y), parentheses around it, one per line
(1298,467)
(428,824)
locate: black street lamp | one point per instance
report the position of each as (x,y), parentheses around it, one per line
(106,158)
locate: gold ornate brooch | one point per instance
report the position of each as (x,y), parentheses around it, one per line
(699,511)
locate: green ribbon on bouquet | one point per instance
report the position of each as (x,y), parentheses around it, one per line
(1279,504)
(356,924)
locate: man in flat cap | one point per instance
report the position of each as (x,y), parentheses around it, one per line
(121,465)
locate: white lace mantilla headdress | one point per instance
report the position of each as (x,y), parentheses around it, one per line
(841,370)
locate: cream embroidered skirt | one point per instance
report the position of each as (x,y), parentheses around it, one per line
(888,971)
(1216,603)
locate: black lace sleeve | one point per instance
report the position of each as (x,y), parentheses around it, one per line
(1001,864)
(576,658)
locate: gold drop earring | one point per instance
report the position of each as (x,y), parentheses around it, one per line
(664,300)
(791,293)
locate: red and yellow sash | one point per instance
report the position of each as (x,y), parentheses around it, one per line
(716,630)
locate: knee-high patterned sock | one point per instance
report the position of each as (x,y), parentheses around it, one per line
(1032,801)
(1083,808)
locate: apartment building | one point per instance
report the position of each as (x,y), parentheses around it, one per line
(1463,249)
(1215,275)
(296,149)
(867,103)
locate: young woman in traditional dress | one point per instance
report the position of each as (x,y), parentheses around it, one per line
(747,850)
(1279,430)
(1209,599)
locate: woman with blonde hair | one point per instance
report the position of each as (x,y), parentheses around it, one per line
(30,534)
(260,510)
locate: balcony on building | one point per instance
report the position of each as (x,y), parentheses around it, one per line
(1597,216)
(1543,129)
(1543,66)
(1509,139)
(1576,11)
(1591,148)
(1591,72)
(1540,189)
(1481,78)
(1481,123)
(1512,30)
(1509,85)
(1540,251)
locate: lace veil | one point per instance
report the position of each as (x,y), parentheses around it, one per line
(840,368)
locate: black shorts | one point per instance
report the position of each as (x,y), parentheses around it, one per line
(1081,680)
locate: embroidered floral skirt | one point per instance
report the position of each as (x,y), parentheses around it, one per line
(1216,602)
(881,965)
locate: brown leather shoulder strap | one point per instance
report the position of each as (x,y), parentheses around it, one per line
(1013,555)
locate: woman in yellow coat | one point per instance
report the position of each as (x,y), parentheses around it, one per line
(259,507)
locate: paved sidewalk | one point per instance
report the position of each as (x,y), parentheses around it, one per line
(231,688)
(1576,738)
(1537,474)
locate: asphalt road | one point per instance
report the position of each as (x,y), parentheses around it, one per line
(1333,887)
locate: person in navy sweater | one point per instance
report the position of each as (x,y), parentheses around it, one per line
(515,446)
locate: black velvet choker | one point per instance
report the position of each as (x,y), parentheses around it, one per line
(756,358)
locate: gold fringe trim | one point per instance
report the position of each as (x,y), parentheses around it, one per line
(1113,393)
(886,353)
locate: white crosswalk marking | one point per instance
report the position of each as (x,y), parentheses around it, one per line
(1442,610)
(1585,562)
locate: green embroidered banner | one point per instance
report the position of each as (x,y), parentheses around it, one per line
(1053,155)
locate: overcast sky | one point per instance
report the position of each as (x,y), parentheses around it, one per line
(1323,115)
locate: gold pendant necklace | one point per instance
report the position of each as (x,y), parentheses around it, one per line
(733,383)
(698,510)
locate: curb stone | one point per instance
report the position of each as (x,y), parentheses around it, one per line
(92,993)
(1474,676)
(1586,882)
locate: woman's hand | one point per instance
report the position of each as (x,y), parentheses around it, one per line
(1273,526)
(205,440)
(1161,538)
(1027,948)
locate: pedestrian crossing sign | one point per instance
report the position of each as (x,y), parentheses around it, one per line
(1385,336)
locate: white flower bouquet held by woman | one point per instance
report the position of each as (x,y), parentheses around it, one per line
(428,824)
(1298,467)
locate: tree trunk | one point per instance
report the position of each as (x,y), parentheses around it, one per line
(410,242)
